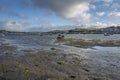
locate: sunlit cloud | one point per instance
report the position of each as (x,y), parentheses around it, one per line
(100,13)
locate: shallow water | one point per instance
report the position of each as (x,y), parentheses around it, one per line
(29,41)
(96,56)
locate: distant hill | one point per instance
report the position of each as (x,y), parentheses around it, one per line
(111,30)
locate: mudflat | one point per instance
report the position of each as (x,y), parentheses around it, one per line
(32,60)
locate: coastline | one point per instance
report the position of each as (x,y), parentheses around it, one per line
(40,65)
(68,63)
(82,43)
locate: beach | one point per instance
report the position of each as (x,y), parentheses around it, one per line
(35,57)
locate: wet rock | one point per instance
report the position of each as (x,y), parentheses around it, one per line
(72,76)
(86,70)
(61,62)
(3,78)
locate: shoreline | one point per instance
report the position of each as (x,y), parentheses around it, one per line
(54,64)
(82,43)
(40,65)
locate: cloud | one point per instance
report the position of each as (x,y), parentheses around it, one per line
(12,13)
(115,5)
(100,13)
(107,1)
(93,7)
(13,25)
(103,3)
(43,25)
(114,14)
(100,25)
(76,10)
(10,25)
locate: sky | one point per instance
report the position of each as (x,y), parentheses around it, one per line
(47,15)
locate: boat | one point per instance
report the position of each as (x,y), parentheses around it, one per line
(60,36)
(106,34)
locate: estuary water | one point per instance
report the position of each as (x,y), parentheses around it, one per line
(101,59)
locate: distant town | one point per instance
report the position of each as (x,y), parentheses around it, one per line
(109,30)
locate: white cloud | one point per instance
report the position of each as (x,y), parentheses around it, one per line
(100,13)
(13,26)
(105,4)
(102,25)
(107,1)
(78,13)
(114,14)
(93,7)
(76,10)
(10,25)
(96,25)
